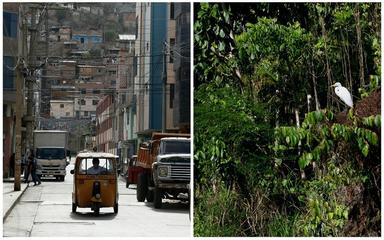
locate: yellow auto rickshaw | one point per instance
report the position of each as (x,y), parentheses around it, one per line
(95,181)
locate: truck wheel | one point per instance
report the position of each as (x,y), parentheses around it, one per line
(127,183)
(116,208)
(74,207)
(62,178)
(142,187)
(150,196)
(157,201)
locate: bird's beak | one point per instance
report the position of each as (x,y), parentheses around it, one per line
(332,85)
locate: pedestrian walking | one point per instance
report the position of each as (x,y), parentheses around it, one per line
(32,168)
(26,166)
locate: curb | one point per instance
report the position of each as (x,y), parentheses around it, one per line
(13,204)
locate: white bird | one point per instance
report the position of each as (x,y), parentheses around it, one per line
(343,94)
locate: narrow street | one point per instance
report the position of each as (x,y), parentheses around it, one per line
(45,210)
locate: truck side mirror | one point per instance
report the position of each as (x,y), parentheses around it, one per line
(72,171)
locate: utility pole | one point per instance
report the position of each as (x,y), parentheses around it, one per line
(19,97)
(164,112)
(31,79)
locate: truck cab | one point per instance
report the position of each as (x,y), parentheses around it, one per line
(51,161)
(164,168)
(51,148)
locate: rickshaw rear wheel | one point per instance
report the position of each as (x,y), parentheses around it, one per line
(127,184)
(116,208)
(74,207)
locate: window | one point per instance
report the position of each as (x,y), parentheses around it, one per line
(95,102)
(8,74)
(86,113)
(67,114)
(61,105)
(50,153)
(96,91)
(82,102)
(172,11)
(171,51)
(83,91)
(105,164)
(171,95)
(81,40)
(10,24)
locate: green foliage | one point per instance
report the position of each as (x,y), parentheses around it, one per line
(373,85)
(218,213)
(213,42)
(229,129)
(325,214)
(253,68)
(319,135)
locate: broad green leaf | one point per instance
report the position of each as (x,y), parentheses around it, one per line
(378,121)
(365,150)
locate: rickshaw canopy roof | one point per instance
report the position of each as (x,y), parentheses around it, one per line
(96,155)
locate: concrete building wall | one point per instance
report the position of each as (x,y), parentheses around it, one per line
(171,35)
(182,107)
(143,52)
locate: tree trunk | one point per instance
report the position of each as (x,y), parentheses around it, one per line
(349,82)
(314,85)
(329,78)
(359,45)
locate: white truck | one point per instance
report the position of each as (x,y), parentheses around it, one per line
(51,147)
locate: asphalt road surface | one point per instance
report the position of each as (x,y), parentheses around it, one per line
(45,211)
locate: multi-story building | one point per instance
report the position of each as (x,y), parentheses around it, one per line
(152,35)
(170,84)
(10,53)
(126,115)
(105,133)
(182,62)
(87,39)
(62,108)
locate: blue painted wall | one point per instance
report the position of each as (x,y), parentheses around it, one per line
(158,36)
(90,38)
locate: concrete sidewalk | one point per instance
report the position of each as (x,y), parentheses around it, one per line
(11,197)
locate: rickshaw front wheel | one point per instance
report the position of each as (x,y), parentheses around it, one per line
(96,210)
(74,207)
(116,208)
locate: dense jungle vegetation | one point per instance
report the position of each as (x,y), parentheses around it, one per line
(276,153)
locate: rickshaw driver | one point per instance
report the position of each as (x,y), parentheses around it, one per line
(96,169)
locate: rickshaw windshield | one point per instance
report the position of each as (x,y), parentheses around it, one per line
(96,166)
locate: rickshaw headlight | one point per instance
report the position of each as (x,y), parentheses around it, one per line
(163,171)
(97,195)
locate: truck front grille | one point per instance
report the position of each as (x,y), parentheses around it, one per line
(181,172)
